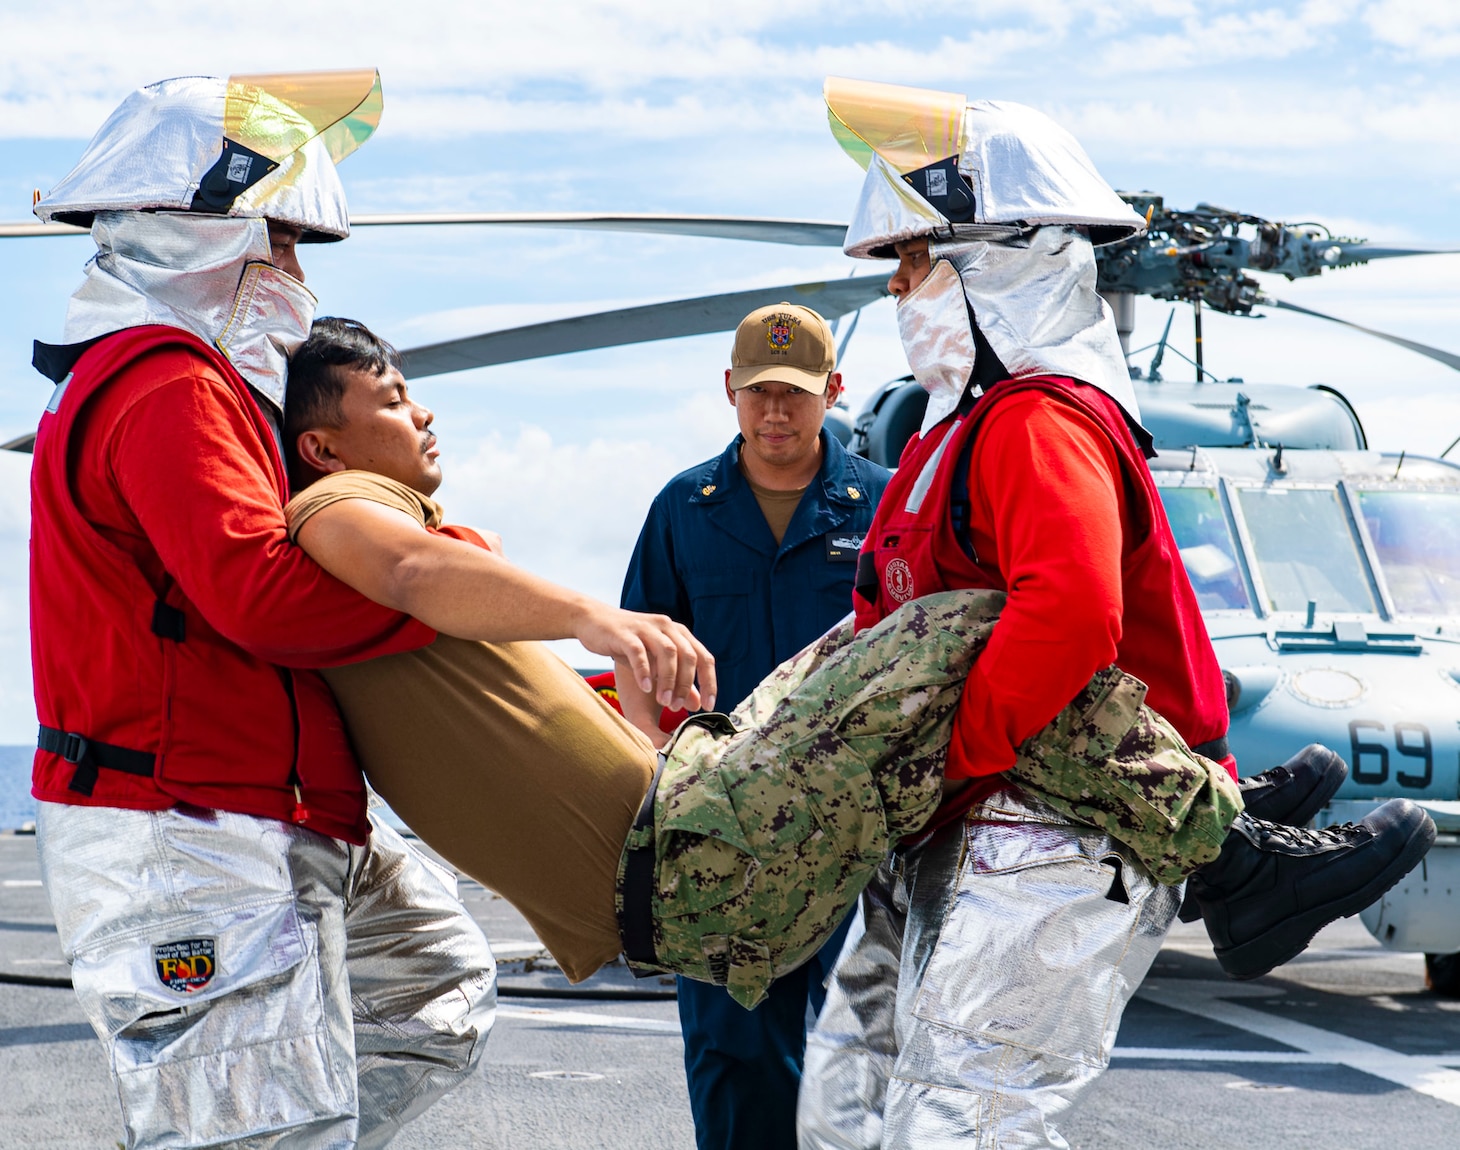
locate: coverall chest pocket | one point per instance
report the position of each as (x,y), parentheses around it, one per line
(720,603)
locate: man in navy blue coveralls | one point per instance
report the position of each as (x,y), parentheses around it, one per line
(755,551)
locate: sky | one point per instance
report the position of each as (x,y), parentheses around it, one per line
(1332,110)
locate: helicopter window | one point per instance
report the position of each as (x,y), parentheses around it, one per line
(1416,535)
(1305,550)
(1206,546)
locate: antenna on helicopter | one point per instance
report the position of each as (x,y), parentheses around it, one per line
(1162,346)
(1154,374)
(1196,311)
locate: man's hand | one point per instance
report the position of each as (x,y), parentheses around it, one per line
(661,656)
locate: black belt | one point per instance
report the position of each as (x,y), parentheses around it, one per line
(1214,749)
(88,755)
(636,922)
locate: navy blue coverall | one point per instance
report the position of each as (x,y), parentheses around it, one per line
(706,558)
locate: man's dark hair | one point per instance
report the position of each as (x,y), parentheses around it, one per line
(317,380)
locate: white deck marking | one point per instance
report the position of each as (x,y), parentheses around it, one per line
(1211,1000)
(21,882)
(581,1018)
(1169,1054)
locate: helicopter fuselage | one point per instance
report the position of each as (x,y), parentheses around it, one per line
(1330,585)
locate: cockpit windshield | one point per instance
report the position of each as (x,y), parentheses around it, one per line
(1417,537)
(1206,546)
(1305,549)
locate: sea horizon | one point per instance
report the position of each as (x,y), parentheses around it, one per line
(17,808)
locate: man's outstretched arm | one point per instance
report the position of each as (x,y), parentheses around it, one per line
(463,590)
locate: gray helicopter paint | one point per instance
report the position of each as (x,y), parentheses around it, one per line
(1379,685)
(1244,415)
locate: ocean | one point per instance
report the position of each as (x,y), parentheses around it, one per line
(16,806)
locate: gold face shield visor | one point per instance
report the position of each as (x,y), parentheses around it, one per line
(269,117)
(910,128)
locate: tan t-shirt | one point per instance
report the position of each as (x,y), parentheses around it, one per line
(499,756)
(777,506)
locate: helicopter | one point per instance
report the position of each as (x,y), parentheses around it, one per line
(1328,574)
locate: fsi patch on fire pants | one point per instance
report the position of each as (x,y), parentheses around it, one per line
(257,984)
(986,990)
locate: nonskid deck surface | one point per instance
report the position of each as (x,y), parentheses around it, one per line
(1344,1047)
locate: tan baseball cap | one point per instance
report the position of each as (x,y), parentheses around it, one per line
(786,343)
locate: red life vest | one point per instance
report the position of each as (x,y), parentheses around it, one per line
(919,544)
(121,662)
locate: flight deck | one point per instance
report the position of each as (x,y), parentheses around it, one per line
(1343,1047)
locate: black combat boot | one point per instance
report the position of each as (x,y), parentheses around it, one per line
(1296,791)
(1274,887)
(1292,793)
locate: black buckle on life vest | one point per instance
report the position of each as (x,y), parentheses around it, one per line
(89,756)
(74,749)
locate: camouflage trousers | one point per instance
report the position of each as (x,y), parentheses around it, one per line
(767,825)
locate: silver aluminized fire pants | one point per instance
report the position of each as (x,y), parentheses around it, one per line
(986,989)
(259,985)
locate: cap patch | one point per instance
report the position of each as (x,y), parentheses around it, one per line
(780,331)
(186,965)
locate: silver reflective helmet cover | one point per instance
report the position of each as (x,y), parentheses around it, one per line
(1022,168)
(178,187)
(265,146)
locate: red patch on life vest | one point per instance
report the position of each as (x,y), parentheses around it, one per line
(186,965)
(899,580)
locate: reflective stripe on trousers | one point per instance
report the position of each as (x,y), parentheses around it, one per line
(252,980)
(986,990)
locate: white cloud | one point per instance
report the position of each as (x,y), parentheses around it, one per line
(1428,29)
(570,511)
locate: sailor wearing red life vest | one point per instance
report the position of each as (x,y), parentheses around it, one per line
(985,992)
(260,961)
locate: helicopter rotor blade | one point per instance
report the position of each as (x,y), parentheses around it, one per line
(630,325)
(1346,253)
(1448,358)
(22,229)
(802,233)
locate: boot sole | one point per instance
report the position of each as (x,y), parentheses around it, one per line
(1290,938)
